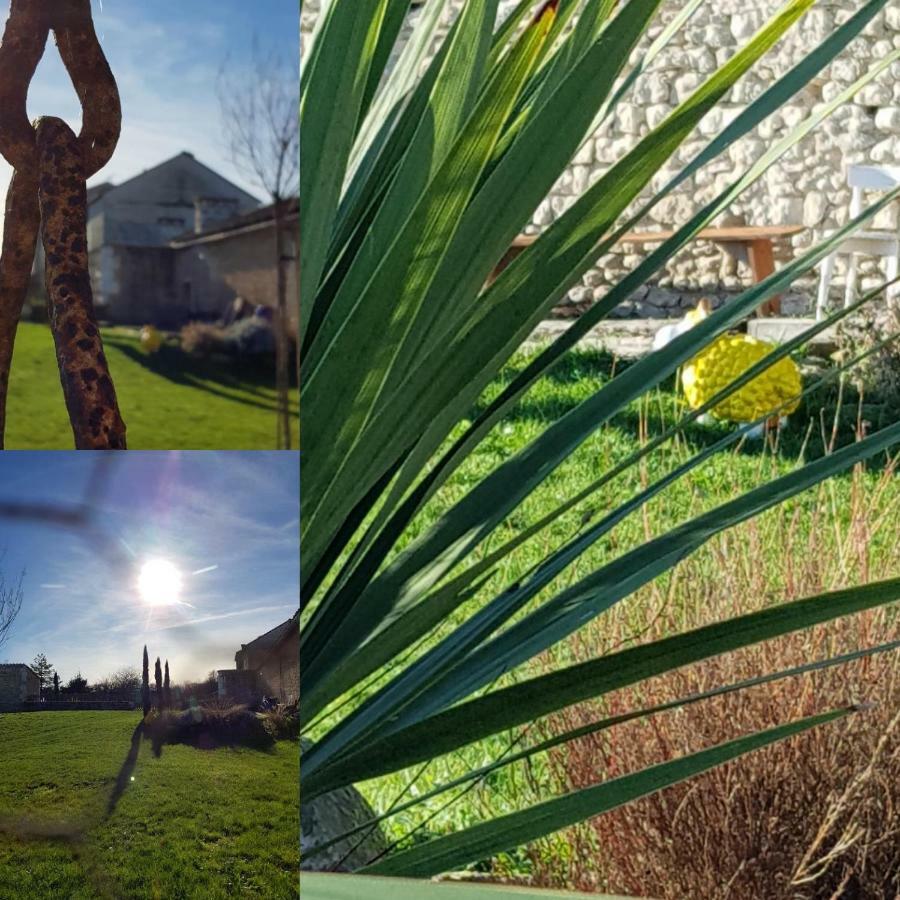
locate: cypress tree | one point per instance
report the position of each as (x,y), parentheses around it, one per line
(56,684)
(167,690)
(157,677)
(145,684)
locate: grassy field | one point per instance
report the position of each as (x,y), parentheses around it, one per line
(169,401)
(88,811)
(765,558)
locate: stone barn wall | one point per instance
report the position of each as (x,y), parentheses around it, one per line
(237,685)
(18,684)
(239,264)
(279,674)
(143,278)
(808,185)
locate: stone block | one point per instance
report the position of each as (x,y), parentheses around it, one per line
(744,25)
(585,154)
(888,119)
(845,71)
(629,119)
(815,205)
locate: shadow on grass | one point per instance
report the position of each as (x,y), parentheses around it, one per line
(72,836)
(183,369)
(26,828)
(124,777)
(75,835)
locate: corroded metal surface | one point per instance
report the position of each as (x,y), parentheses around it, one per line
(20,51)
(73,30)
(20,231)
(87,386)
(48,187)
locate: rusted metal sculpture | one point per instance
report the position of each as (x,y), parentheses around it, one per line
(48,193)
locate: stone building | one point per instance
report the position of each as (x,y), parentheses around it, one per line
(807,186)
(18,684)
(268,666)
(130,226)
(236,257)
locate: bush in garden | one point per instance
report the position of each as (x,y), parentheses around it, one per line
(208,726)
(203,339)
(282,722)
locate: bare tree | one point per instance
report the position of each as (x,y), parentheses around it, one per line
(260,115)
(10,603)
(125,681)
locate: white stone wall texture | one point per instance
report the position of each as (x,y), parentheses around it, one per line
(806,187)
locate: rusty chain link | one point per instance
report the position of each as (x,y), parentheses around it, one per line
(48,193)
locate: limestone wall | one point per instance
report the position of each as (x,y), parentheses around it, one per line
(279,674)
(18,684)
(808,186)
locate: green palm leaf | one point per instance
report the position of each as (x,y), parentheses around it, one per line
(483,840)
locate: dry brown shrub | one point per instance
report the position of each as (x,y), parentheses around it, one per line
(203,339)
(814,817)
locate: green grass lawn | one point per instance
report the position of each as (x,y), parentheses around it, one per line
(189,823)
(169,400)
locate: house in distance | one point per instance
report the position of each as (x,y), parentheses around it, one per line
(266,667)
(18,684)
(179,243)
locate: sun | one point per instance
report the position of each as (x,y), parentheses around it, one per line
(159,583)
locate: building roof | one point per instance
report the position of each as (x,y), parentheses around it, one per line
(19,666)
(274,636)
(256,218)
(100,190)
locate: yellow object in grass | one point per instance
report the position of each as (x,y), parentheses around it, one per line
(729,356)
(151,339)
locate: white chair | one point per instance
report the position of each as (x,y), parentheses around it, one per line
(863,243)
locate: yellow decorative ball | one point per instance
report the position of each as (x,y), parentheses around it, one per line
(151,339)
(715,367)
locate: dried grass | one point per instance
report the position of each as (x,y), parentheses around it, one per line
(282,722)
(814,817)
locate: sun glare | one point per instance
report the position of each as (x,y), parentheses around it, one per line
(159,583)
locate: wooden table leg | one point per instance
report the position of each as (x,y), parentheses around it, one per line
(505,260)
(762,265)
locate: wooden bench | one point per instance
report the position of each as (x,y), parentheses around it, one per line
(752,245)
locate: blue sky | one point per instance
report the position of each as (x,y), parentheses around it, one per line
(166,55)
(228,521)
